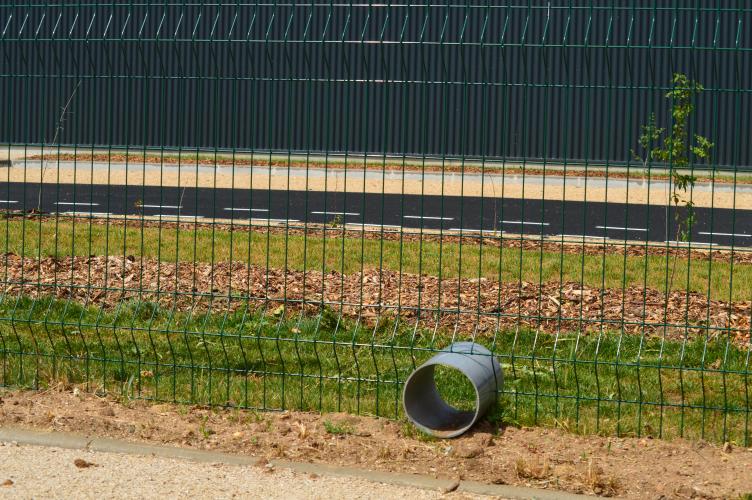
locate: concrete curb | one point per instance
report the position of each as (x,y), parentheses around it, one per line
(107,445)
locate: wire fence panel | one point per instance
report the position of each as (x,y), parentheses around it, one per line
(288,205)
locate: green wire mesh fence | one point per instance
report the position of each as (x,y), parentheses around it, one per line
(288,205)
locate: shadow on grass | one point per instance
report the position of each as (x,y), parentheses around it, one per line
(606,384)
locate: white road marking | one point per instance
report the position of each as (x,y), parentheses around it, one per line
(463,230)
(617,228)
(582,236)
(522,222)
(233,209)
(175,216)
(176,207)
(335,213)
(8,201)
(74,203)
(693,243)
(737,235)
(427,217)
(88,214)
(275,220)
(385,226)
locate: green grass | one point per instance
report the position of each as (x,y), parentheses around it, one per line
(454,388)
(714,278)
(337,429)
(605,384)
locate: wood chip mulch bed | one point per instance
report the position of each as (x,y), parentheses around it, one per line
(485,305)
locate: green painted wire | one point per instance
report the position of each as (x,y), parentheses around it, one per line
(458,49)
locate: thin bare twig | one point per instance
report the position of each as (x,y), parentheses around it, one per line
(58,129)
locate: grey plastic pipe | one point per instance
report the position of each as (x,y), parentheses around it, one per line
(429,412)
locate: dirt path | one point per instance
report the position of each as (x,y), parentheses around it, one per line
(543,458)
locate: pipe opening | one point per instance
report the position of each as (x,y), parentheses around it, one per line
(455,388)
(426,407)
(449,393)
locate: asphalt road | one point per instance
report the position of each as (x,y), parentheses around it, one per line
(616,221)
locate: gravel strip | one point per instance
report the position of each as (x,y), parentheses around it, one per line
(32,471)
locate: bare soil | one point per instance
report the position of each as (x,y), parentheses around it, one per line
(543,458)
(486,304)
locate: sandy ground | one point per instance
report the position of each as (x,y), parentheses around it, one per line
(40,472)
(531,187)
(627,467)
